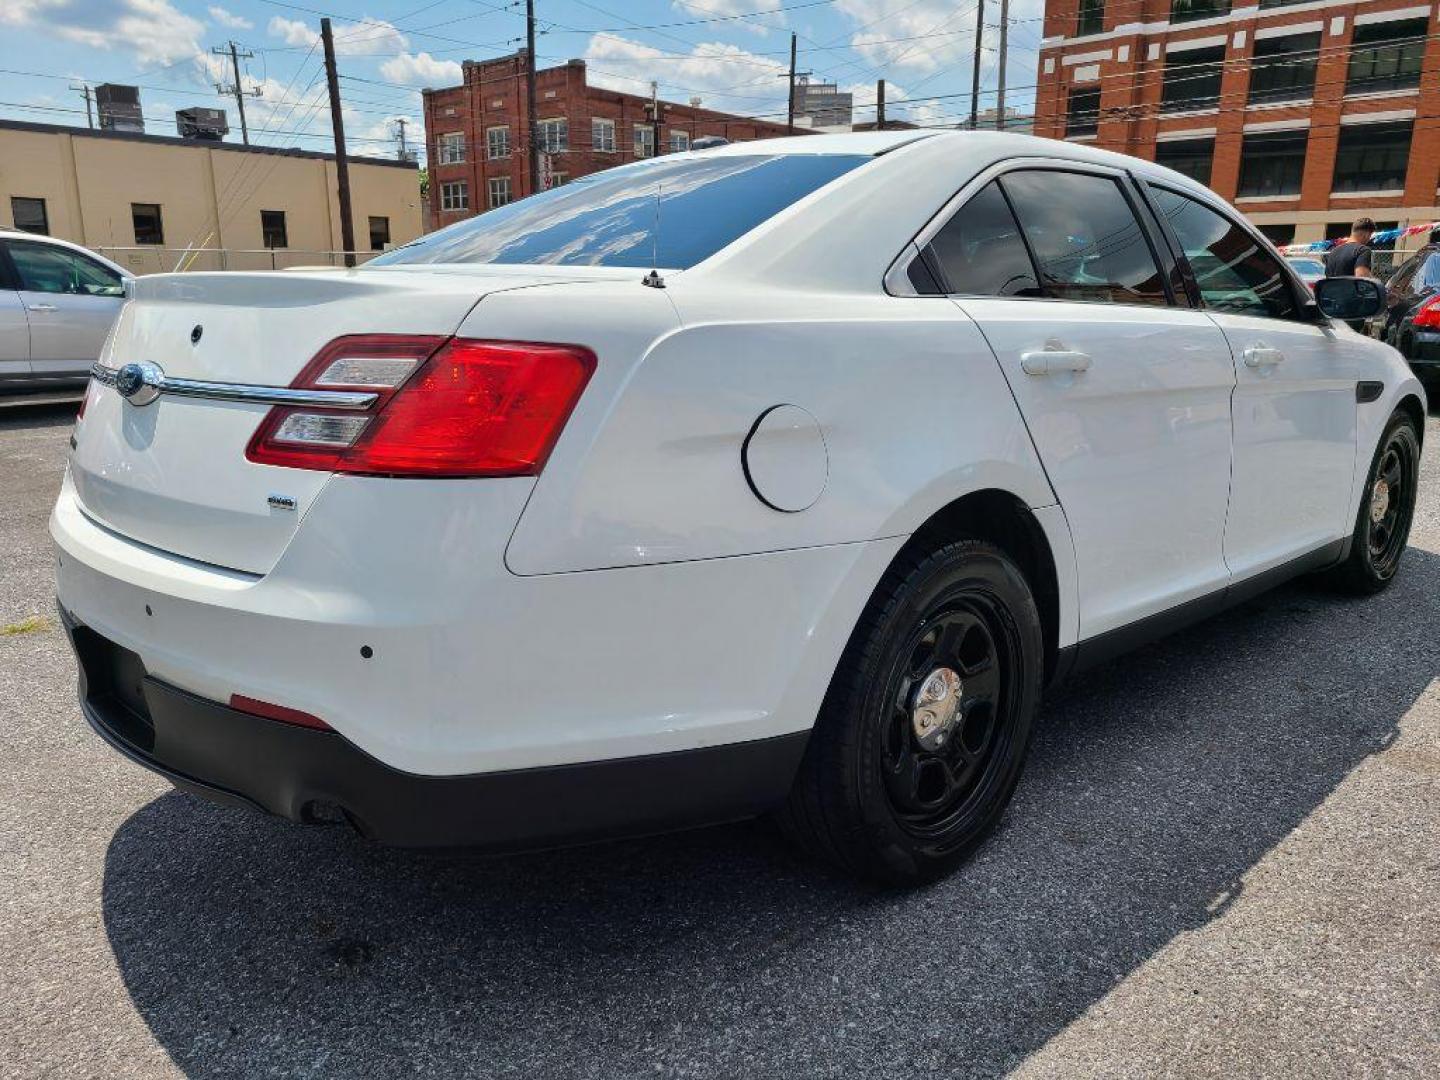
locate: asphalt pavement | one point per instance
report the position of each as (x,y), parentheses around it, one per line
(1224,859)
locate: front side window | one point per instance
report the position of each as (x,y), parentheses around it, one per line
(452,148)
(1372,157)
(497,142)
(644,140)
(1272,163)
(669,213)
(1386,56)
(47,269)
(554,136)
(1082,112)
(455,195)
(602,136)
(1283,68)
(1087,242)
(379,233)
(146,219)
(272,229)
(1192,79)
(1235,272)
(499,191)
(29,215)
(1189,157)
(980,251)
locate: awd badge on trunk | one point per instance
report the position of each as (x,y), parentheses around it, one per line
(139,384)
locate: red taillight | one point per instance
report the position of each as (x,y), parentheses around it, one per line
(460,408)
(1427,315)
(256,707)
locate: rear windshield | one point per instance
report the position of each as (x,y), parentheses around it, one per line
(664,213)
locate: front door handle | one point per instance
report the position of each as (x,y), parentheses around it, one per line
(41,307)
(1258,356)
(1049,361)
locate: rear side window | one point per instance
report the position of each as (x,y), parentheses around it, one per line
(1087,242)
(1428,276)
(980,250)
(1233,269)
(669,212)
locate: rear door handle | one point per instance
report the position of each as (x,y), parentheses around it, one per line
(41,307)
(1049,361)
(1258,356)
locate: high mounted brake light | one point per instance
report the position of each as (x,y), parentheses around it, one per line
(444,408)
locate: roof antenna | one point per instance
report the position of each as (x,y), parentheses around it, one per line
(653,278)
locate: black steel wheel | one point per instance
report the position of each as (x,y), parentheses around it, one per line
(922,737)
(1387,506)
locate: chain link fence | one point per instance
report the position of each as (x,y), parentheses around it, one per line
(164,260)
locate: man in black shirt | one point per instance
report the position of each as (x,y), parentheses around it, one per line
(1351,257)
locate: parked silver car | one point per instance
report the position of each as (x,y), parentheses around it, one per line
(57,302)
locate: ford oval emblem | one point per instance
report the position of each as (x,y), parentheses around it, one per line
(195,334)
(139,384)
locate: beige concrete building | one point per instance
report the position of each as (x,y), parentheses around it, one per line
(143,200)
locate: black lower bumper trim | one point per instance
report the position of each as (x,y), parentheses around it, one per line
(303,774)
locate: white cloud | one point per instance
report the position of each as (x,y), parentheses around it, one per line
(229,21)
(710,70)
(153,31)
(729,9)
(421,69)
(368,37)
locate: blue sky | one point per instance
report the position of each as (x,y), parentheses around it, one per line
(729,53)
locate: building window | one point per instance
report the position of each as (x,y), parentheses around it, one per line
(1189,157)
(1283,68)
(1186,10)
(1280,3)
(146,218)
(679,142)
(602,136)
(1082,112)
(499,191)
(1386,56)
(1272,163)
(644,140)
(29,215)
(1091,17)
(379,233)
(1279,235)
(497,142)
(554,136)
(1192,79)
(272,229)
(556,179)
(1372,157)
(452,148)
(455,195)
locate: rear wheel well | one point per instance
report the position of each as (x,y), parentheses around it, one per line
(1412,408)
(1008,523)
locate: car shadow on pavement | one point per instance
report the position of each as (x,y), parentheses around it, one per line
(253,947)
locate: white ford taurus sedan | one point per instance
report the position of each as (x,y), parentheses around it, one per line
(779,477)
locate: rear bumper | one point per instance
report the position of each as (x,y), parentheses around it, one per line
(1426,352)
(302,774)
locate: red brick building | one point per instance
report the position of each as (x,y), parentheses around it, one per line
(1305,114)
(476,132)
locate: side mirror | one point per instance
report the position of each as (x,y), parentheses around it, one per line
(1350,298)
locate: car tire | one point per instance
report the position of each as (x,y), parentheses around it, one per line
(874,795)
(1387,506)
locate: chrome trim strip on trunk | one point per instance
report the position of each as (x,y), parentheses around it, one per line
(351,400)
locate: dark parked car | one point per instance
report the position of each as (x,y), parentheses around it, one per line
(1412,319)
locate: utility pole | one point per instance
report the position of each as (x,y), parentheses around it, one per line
(1004,56)
(531,120)
(342,165)
(236,88)
(790,115)
(403,154)
(975,78)
(880,105)
(655,118)
(84,88)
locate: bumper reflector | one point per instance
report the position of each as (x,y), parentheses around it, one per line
(255,707)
